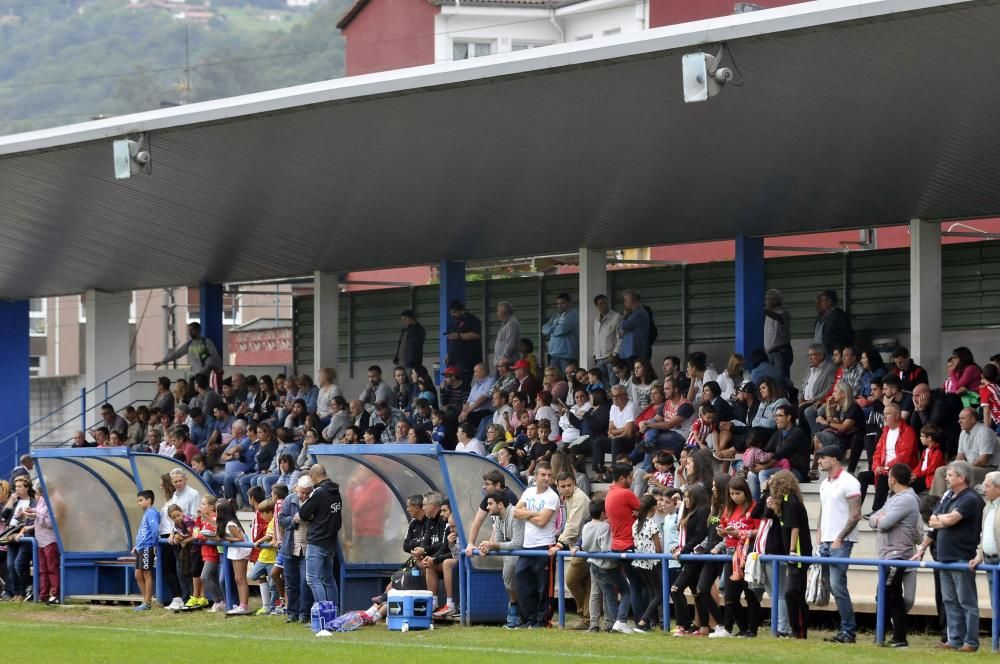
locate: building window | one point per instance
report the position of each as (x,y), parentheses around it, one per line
(36,366)
(232,312)
(38,317)
(525,45)
(463,50)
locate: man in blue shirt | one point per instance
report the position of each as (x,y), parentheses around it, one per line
(201,427)
(634,330)
(563,332)
(477,407)
(956,524)
(145,548)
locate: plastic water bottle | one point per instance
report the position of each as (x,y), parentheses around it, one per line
(405,627)
(316,617)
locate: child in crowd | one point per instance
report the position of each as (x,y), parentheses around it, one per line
(207,534)
(606,577)
(145,548)
(439,434)
(506,460)
(595,380)
(704,430)
(932,457)
(663,478)
(668,518)
(182,542)
(231,530)
(266,557)
(754,455)
(279,492)
(541,447)
(527,350)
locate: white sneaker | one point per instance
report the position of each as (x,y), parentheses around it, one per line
(720,633)
(176,605)
(621,627)
(237,610)
(218,607)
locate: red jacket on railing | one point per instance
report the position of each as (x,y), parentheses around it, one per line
(906,449)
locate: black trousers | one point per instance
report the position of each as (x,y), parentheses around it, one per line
(531,579)
(617,447)
(704,602)
(895,607)
(795,599)
(168,563)
(687,579)
(747,618)
(866,479)
(652,582)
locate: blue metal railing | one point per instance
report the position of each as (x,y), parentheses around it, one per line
(775,562)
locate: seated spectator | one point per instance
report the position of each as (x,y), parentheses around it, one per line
(376,390)
(555,383)
(989,396)
(236,460)
(454,393)
(840,420)
(910,374)
(526,348)
(852,371)
(698,373)
(404,391)
(503,413)
(931,458)
(977,446)
(817,382)
(788,442)
(874,369)
(936,407)
(427,391)
(328,390)
(965,377)
(402,431)
(544,411)
(734,375)
(506,381)
(337,420)
(467,441)
(385,417)
(527,384)
(898,444)
(642,381)
(476,408)
(762,368)
(373,435)
(621,434)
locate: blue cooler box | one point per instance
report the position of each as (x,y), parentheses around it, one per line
(413,608)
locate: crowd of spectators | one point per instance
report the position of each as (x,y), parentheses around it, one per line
(700,461)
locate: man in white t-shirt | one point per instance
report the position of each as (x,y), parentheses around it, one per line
(538,507)
(837,531)
(621,430)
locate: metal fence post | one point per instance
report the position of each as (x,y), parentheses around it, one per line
(995,605)
(775,589)
(83,409)
(665,569)
(561,580)
(880,606)
(35,568)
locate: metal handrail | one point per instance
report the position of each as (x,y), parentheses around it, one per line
(774,560)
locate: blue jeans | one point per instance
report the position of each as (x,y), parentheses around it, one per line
(215,481)
(837,576)
(319,573)
(18,568)
(611,583)
(300,599)
(245,482)
(961,606)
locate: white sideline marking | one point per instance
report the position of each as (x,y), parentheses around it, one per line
(412,644)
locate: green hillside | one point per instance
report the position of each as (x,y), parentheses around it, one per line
(65,61)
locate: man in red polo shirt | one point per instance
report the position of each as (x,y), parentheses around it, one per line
(621,506)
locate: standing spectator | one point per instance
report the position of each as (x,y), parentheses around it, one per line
(785,502)
(621,506)
(508,339)
(898,526)
(897,445)
(989,546)
(693,529)
(646,535)
(563,333)
(323,512)
(464,333)
(508,535)
(376,390)
(977,445)
(633,331)
(293,550)
(574,504)
(833,326)
(605,576)
(145,549)
(956,525)
(201,353)
(909,372)
(837,527)
(410,349)
(777,332)
(537,508)
(739,526)
(605,333)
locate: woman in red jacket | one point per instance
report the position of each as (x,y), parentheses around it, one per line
(898,444)
(931,437)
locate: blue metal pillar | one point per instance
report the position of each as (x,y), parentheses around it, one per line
(452,287)
(749,294)
(210,305)
(14,388)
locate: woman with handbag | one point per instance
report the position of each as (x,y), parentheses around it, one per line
(18,554)
(785,503)
(739,528)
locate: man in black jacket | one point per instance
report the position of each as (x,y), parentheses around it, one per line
(324,512)
(434,539)
(410,350)
(788,442)
(833,326)
(937,407)
(417,529)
